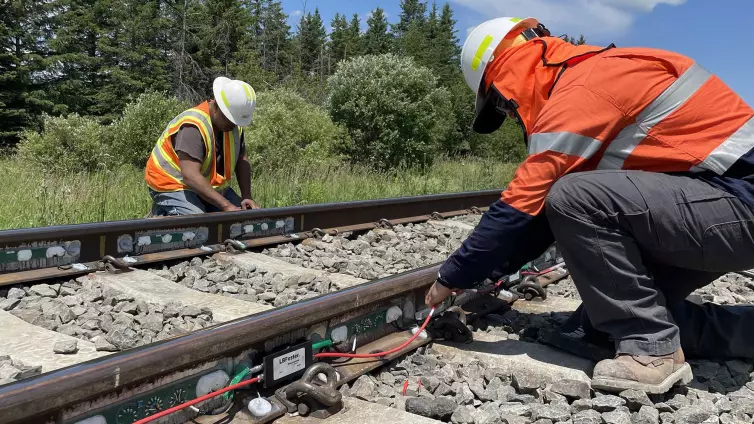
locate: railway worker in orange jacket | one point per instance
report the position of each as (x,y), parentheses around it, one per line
(193,162)
(640,166)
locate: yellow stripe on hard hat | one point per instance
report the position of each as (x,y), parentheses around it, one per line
(516,20)
(250,95)
(480,52)
(225,99)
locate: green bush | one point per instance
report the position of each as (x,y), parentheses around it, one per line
(505,144)
(395,112)
(69,144)
(288,130)
(135,133)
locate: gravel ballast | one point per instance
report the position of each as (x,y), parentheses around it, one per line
(112,320)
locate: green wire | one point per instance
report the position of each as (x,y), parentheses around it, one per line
(237,379)
(322,343)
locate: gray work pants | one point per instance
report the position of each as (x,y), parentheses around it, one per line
(186,202)
(638,243)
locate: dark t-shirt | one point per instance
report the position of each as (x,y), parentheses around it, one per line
(189,140)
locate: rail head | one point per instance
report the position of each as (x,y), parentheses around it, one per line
(41,397)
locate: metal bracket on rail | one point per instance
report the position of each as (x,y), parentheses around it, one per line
(451,326)
(384,223)
(112,264)
(318,232)
(436,216)
(475,210)
(309,396)
(232,246)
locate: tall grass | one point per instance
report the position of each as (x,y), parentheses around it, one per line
(31,197)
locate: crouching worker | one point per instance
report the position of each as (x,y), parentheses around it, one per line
(641,166)
(191,167)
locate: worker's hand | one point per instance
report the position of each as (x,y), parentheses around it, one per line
(249,204)
(230,207)
(436,294)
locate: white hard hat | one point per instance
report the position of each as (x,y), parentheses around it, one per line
(236,99)
(481,44)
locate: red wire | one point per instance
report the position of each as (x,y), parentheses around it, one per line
(197,400)
(377,355)
(255,379)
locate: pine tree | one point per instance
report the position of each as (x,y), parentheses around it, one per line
(311,43)
(23,35)
(338,37)
(353,37)
(412,11)
(377,39)
(275,42)
(411,30)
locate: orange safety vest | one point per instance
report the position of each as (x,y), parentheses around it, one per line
(587,108)
(163,170)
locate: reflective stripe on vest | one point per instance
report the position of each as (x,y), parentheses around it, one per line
(163,171)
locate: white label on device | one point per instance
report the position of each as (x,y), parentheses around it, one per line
(515,276)
(289,363)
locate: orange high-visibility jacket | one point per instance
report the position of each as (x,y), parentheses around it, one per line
(586,108)
(163,170)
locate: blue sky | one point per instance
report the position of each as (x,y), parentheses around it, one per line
(711,32)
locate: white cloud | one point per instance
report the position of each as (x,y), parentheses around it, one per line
(297,13)
(593,18)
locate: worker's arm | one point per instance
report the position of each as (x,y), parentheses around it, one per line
(192,177)
(243,174)
(569,131)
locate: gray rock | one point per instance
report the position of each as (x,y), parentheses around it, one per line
(588,416)
(723,405)
(616,417)
(190,311)
(575,389)
(9,372)
(484,417)
(522,398)
(526,382)
(153,322)
(663,407)
(543,421)
(504,393)
(476,387)
(172,309)
(667,417)
(692,415)
(430,382)
(66,347)
(16,293)
(514,419)
(444,390)
(419,406)
(554,413)
(580,405)
(267,296)
(742,406)
(554,398)
(230,289)
(44,290)
(123,338)
(607,403)
(443,408)
(8,304)
(678,401)
(387,378)
(647,415)
(363,388)
(462,416)
(635,399)
(513,408)
(730,419)
(465,396)
(60,311)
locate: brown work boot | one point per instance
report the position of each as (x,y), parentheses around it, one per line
(651,374)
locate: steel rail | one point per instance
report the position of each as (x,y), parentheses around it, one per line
(39,397)
(45,252)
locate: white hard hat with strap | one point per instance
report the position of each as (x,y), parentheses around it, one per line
(480,45)
(236,100)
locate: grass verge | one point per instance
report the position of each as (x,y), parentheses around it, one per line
(32,198)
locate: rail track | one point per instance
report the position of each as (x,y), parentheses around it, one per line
(247,295)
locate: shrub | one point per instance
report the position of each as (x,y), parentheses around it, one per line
(393,109)
(505,144)
(135,133)
(66,144)
(288,130)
